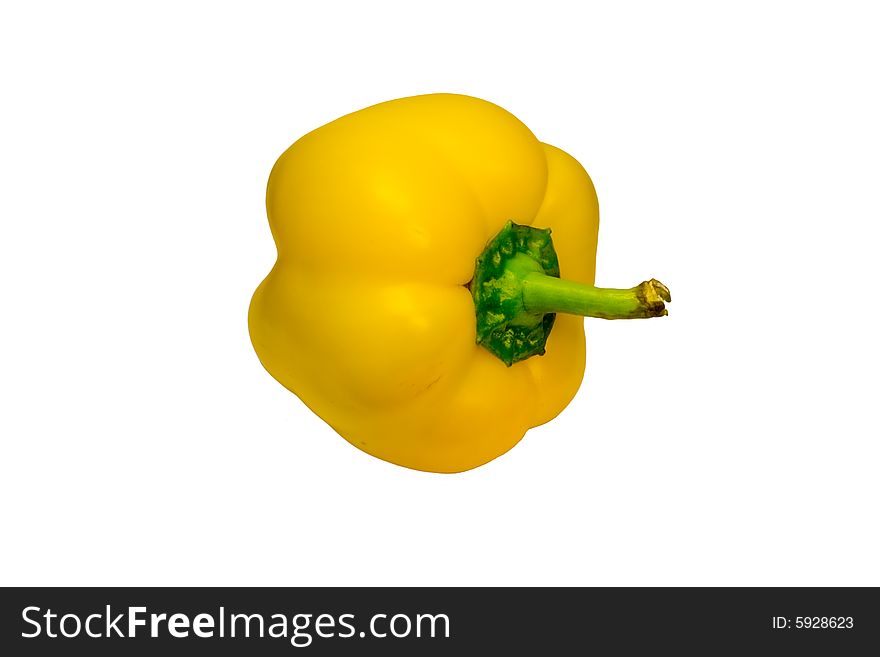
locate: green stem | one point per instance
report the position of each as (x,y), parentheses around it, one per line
(517,293)
(546,294)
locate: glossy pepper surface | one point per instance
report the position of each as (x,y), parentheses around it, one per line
(414,304)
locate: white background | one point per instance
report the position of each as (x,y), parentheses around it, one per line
(735,153)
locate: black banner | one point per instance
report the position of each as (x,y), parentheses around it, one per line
(443,621)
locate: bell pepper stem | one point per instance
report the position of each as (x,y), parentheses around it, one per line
(517,294)
(547,294)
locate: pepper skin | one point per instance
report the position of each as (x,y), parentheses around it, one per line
(368,314)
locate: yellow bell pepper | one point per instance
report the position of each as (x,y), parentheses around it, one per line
(413,302)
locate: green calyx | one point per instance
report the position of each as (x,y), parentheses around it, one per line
(517,293)
(504,325)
